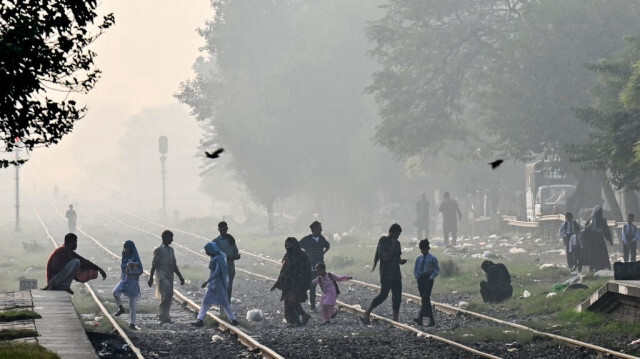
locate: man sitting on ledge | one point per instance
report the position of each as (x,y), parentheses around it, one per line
(65,264)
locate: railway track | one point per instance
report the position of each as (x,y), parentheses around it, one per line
(446,308)
(251,344)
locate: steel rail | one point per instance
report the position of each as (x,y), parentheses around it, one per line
(449,309)
(242,337)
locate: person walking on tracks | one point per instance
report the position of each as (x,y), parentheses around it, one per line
(293,281)
(131,269)
(450,216)
(568,228)
(425,271)
(71,219)
(389,254)
(217,285)
(315,245)
(330,291)
(497,287)
(227,245)
(65,265)
(630,235)
(164,265)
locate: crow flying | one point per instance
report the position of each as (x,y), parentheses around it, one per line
(215,154)
(495,164)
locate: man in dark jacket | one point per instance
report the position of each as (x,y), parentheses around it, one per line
(315,245)
(65,264)
(497,287)
(450,216)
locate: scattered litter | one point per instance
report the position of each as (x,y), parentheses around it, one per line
(463,304)
(467,335)
(526,294)
(515,250)
(336,237)
(235,300)
(548,265)
(604,273)
(255,315)
(551,294)
(216,338)
(637,341)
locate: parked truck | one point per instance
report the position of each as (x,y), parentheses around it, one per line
(547,189)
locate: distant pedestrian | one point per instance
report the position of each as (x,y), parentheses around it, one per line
(630,235)
(497,287)
(330,291)
(596,230)
(164,262)
(315,245)
(293,281)
(227,245)
(422,216)
(71,219)
(131,270)
(426,270)
(65,265)
(568,228)
(575,251)
(450,216)
(218,283)
(389,254)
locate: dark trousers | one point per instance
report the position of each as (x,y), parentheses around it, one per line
(232,274)
(425,285)
(312,290)
(423,232)
(629,250)
(292,311)
(572,257)
(454,236)
(395,286)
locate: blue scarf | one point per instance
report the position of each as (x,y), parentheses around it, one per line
(217,258)
(132,257)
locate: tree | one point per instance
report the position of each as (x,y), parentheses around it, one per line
(44,57)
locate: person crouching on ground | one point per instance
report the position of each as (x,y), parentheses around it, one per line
(497,287)
(330,291)
(218,283)
(65,265)
(293,281)
(426,270)
(131,267)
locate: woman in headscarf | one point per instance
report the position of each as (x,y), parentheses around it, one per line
(595,252)
(131,269)
(218,282)
(294,279)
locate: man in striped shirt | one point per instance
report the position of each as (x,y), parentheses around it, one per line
(316,246)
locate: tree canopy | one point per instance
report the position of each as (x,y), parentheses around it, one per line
(44,58)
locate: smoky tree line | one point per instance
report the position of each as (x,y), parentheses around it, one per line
(45,58)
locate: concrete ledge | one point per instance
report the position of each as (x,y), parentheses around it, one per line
(619,299)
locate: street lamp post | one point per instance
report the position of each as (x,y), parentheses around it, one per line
(163,146)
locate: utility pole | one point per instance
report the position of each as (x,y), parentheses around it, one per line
(163,146)
(17,229)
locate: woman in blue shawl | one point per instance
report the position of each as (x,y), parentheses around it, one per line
(217,285)
(131,267)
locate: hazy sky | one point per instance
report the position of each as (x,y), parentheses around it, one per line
(143,59)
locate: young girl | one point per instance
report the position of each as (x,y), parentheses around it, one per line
(131,267)
(218,283)
(330,291)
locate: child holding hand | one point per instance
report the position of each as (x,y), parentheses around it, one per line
(330,291)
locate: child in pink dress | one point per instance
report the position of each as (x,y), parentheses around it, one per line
(330,291)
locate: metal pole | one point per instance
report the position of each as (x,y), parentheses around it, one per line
(164,209)
(17,229)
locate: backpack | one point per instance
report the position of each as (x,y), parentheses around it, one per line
(335,283)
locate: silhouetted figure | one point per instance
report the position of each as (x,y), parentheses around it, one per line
(425,272)
(568,228)
(630,236)
(495,164)
(227,245)
(450,215)
(131,270)
(65,265)
(293,281)
(215,153)
(575,251)
(71,219)
(595,250)
(164,262)
(497,287)
(315,245)
(422,216)
(389,254)
(218,283)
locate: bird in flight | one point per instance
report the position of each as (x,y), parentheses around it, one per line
(215,154)
(495,164)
